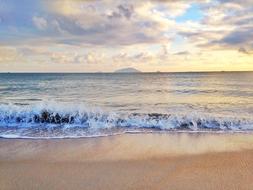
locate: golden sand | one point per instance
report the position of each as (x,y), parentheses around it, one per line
(137,161)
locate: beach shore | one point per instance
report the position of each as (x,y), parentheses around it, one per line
(177,161)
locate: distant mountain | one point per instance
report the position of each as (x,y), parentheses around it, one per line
(127,70)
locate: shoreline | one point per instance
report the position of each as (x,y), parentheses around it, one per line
(129,161)
(172,132)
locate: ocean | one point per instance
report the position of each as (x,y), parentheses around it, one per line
(36,105)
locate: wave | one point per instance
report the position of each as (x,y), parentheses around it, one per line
(53,120)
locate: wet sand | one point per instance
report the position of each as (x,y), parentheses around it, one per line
(132,161)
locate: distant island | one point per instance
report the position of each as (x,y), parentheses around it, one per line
(127,70)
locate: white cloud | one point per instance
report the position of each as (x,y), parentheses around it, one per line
(40,22)
(130,32)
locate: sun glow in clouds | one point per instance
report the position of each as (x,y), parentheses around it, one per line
(91,36)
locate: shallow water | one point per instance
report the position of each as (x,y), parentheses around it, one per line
(79,105)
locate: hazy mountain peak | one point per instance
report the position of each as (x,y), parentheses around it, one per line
(127,70)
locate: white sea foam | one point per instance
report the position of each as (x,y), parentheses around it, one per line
(59,120)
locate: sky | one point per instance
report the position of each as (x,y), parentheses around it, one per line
(106,35)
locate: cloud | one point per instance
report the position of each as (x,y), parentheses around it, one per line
(9,55)
(141,21)
(80,22)
(243,50)
(95,32)
(239,37)
(91,57)
(124,11)
(40,22)
(225,25)
(239,2)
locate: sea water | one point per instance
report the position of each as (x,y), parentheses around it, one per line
(34,105)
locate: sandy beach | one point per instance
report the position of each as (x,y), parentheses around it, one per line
(133,161)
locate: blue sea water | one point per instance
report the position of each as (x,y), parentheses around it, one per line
(85,105)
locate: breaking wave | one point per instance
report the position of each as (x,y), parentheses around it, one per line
(64,121)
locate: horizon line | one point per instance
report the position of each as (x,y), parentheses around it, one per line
(113,72)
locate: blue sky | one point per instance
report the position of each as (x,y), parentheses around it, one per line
(193,13)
